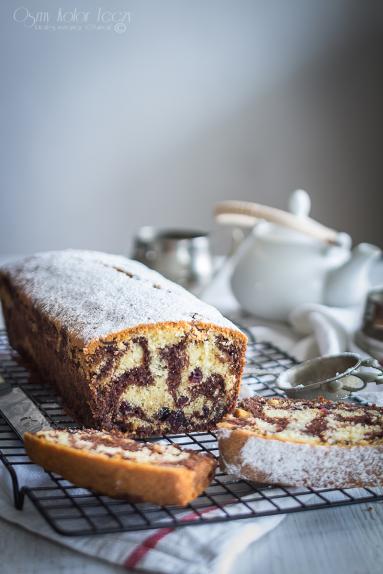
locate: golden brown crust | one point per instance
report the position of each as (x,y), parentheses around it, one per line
(230,446)
(148,327)
(122,478)
(244,434)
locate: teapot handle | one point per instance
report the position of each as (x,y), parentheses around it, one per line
(247,213)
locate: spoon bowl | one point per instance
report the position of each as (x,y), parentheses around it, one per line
(332,376)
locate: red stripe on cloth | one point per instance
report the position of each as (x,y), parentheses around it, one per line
(151,541)
(142,549)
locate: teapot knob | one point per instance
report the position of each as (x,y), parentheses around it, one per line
(300,203)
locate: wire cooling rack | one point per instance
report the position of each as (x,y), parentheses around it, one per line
(76,511)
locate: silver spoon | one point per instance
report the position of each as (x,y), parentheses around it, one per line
(332,376)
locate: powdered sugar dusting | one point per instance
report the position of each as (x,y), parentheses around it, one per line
(102,443)
(294,464)
(95,294)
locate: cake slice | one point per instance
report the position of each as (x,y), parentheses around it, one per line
(317,443)
(126,348)
(117,466)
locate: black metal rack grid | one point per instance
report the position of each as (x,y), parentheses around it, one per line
(73,511)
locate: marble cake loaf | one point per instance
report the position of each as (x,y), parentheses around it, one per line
(125,348)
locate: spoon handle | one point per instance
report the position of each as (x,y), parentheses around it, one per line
(365,371)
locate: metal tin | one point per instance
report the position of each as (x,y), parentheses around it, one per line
(181,255)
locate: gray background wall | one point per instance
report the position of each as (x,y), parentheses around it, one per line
(198,101)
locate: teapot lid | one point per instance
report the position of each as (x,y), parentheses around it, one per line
(299,205)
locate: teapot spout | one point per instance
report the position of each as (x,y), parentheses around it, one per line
(348,284)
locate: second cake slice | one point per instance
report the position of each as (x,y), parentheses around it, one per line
(318,443)
(120,467)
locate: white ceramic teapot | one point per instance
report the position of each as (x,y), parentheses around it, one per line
(289,259)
